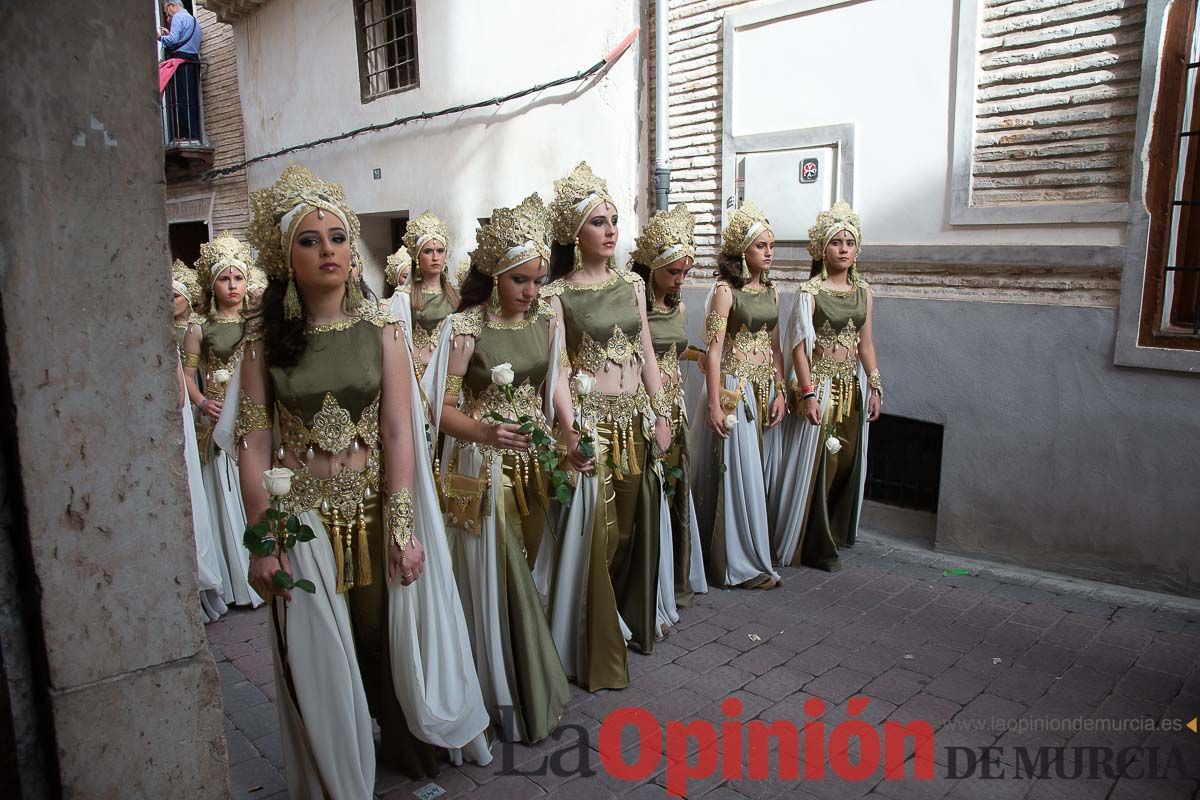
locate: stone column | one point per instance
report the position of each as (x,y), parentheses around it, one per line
(117,669)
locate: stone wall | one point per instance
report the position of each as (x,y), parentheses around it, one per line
(103,536)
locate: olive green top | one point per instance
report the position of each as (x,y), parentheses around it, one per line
(524,345)
(219,339)
(666,329)
(839,309)
(590,313)
(180,333)
(753,310)
(436,309)
(346,362)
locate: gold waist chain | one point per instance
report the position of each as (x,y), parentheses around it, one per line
(618,412)
(843,383)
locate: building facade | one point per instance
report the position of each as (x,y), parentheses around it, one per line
(200,206)
(1036,345)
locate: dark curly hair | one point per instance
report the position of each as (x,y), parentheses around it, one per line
(284,340)
(671,299)
(729,269)
(476,289)
(562,260)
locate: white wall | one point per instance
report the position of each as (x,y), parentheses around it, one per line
(298,72)
(888,67)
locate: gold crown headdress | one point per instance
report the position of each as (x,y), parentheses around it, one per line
(463,270)
(421,230)
(220,254)
(185,281)
(745,225)
(512,237)
(277,211)
(574,198)
(258,278)
(667,237)
(841,217)
(397,263)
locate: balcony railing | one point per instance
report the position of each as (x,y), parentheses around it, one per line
(188,152)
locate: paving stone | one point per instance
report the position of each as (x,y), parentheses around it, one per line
(818,659)
(874,660)
(1039,615)
(239,747)
(896,685)
(1083,606)
(779,682)
(837,684)
(1124,634)
(929,659)
(762,659)
(962,637)
(912,598)
(665,678)
(508,787)
(1173,660)
(988,614)
(721,681)
(1069,635)
(957,685)
(235,650)
(1012,638)
(801,637)
(605,702)
(271,746)
(1047,658)
(257,721)
(1154,620)
(1147,684)
(1085,683)
(242,695)
(747,637)
(1022,684)
(253,779)
(708,657)
(936,711)
(680,704)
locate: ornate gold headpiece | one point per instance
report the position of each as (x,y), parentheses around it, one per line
(512,237)
(745,225)
(574,198)
(667,237)
(840,217)
(277,211)
(420,230)
(258,278)
(220,254)
(398,263)
(185,281)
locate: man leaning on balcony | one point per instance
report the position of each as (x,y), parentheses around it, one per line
(182,40)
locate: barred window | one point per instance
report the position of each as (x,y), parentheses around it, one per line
(1169,304)
(387,46)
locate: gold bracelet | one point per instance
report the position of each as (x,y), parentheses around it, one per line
(251,417)
(454,385)
(714,327)
(876,382)
(398,517)
(191,360)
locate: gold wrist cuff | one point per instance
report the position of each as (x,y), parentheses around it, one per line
(454,385)
(876,382)
(663,404)
(398,517)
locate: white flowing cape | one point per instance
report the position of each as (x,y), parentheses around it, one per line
(327,736)
(746,526)
(209,563)
(802,439)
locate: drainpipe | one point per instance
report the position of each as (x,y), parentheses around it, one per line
(662,155)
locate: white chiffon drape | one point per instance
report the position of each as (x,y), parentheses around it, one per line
(209,563)
(801,440)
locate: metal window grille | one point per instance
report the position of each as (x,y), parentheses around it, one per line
(387,46)
(1181,289)
(904,462)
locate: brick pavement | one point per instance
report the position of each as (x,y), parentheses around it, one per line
(958,651)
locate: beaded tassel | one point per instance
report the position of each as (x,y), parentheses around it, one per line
(519,489)
(335,539)
(364,550)
(631,453)
(291,301)
(354,295)
(348,555)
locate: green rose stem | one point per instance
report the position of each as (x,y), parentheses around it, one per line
(277,533)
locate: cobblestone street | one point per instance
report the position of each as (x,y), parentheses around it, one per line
(959,651)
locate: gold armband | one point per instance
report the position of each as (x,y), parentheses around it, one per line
(251,416)
(663,404)
(191,360)
(398,517)
(714,327)
(454,385)
(876,382)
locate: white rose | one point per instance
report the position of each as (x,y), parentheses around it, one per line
(278,481)
(833,444)
(730,421)
(502,374)
(222,376)
(582,384)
